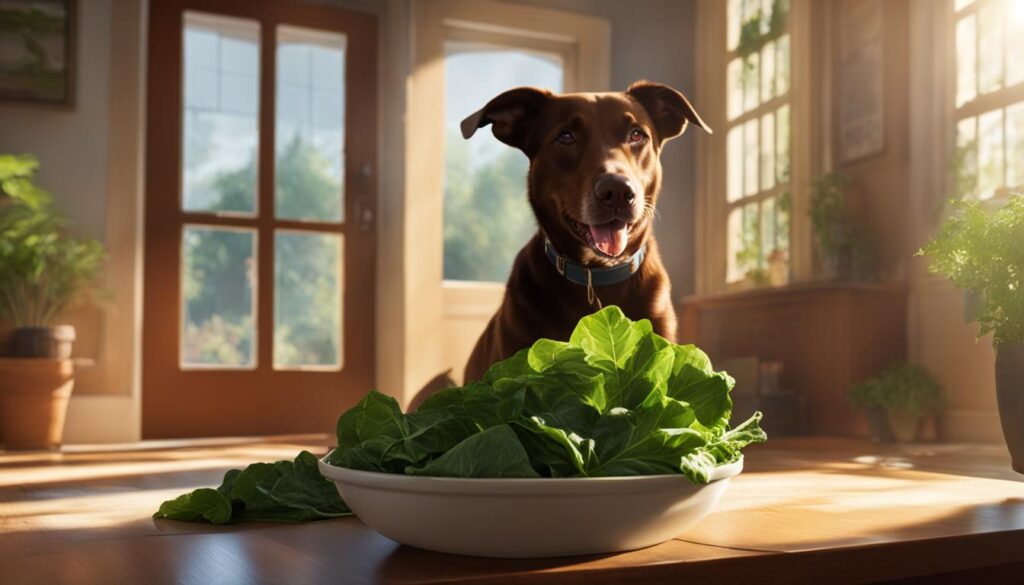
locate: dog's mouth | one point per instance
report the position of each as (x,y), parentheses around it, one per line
(608,239)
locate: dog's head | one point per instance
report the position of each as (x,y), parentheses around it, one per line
(595,171)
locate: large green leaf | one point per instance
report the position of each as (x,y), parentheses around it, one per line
(495,452)
(376,415)
(285,491)
(651,439)
(203,504)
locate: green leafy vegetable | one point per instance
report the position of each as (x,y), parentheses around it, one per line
(285,491)
(616,399)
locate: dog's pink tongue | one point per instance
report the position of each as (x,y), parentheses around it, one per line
(610,238)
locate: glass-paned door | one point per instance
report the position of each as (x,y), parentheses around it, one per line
(258,308)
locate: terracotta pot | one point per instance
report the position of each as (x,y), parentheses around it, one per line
(1010,397)
(34,396)
(905,425)
(43,342)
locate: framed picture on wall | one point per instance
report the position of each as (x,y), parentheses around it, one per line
(37,54)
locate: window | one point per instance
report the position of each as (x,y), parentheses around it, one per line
(219,178)
(487,217)
(989,97)
(757,201)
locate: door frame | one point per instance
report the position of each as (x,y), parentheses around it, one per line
(262,400)
(443,316)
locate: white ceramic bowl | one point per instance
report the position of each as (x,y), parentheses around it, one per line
(517,518)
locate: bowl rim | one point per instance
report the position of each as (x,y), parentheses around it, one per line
(518,485)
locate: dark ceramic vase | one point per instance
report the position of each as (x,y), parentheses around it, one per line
(1010,397)
(43,342)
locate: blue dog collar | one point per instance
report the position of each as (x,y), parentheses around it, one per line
(591,277)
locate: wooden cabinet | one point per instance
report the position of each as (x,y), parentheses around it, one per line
(827,336)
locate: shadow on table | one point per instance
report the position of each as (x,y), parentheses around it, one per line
(407,565)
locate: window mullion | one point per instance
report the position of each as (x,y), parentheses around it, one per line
(265,194)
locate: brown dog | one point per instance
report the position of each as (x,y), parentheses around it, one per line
(594,179)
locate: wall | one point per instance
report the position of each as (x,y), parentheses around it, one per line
(91,161)
(899,195)
(938,337)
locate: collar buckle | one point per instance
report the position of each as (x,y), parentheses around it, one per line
(560,264)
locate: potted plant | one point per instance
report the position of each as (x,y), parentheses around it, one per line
(905,393)
(42,270)
(843,244)
(982,251)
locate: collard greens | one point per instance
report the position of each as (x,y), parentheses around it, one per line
(615,400)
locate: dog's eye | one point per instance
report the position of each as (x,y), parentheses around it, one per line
(565,137)
(636,136)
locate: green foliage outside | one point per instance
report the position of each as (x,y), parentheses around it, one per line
(983,251)
(218,271)
(487,217)
(760,27)
(42,268)
(899,387)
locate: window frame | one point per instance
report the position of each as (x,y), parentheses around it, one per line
(982,103)
(806,136)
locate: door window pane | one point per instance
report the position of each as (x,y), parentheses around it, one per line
(487,218)
(218,280)
(310,125)
(220,117)
(307,300)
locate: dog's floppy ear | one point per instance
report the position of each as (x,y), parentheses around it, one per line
(512,114)
(669,109)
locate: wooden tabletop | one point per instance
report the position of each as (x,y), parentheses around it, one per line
(802,511)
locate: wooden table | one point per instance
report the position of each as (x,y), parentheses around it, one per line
(804,511)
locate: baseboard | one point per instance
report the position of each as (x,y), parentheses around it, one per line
(971,426)
(102,419)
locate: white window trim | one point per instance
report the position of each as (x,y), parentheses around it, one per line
(435,311)
(807,136)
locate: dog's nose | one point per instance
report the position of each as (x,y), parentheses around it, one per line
(614,191)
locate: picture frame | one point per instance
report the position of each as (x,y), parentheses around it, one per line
(37,52)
